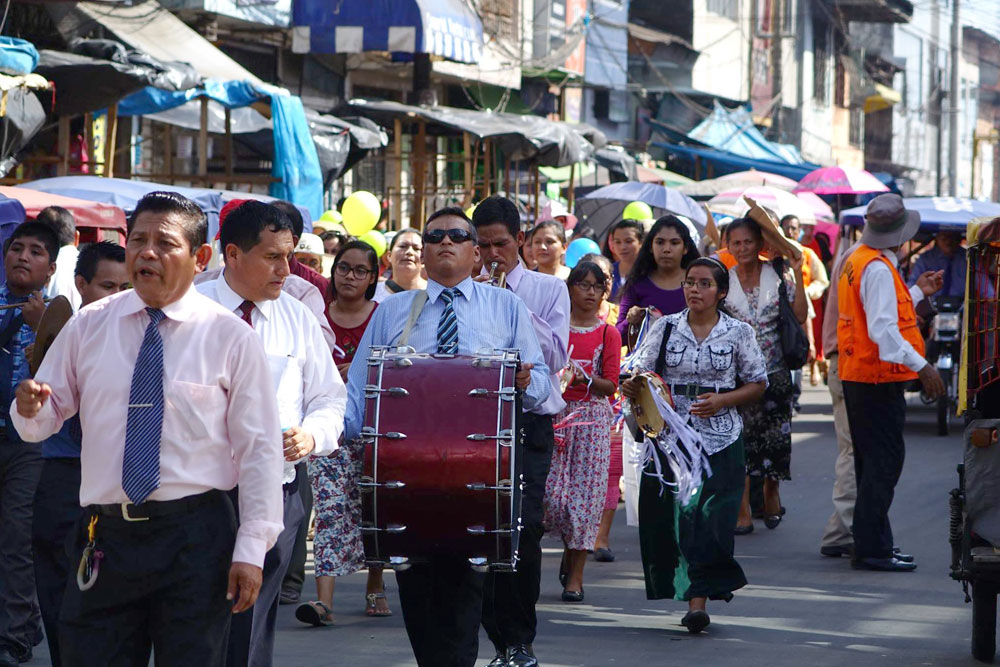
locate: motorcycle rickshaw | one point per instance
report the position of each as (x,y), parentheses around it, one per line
(975,504)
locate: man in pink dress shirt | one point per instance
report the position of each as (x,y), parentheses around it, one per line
(159,451)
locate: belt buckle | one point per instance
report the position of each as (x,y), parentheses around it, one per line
(127,517)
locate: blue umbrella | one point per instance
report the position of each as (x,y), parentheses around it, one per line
(603,207)
(936,213)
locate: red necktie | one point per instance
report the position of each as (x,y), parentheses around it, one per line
(247,308)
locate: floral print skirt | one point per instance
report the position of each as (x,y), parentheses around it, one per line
(767,429)
(337,546)
(578,479)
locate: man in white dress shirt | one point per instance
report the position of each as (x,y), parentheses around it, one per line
(176,407)
(256,241)
(509,599)
(63,281)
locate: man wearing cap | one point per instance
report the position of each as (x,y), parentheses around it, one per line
(880,351)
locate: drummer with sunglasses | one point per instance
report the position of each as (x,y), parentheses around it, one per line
(442,599)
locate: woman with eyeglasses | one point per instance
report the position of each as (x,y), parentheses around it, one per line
(622,247)
(578,477)
(653,287)
(712,364)
(756,288)
(405,266)
(337,546)
(548,248)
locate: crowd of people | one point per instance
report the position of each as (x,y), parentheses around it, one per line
(170,513)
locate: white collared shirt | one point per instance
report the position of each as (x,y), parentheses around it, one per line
(220,420)
(878,297)
(63,281)
(310,391)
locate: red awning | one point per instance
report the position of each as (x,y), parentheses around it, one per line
(86,213)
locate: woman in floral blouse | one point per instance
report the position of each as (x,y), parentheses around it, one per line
(753,298)
(712,364)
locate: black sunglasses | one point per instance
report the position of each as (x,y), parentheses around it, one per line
(456,235)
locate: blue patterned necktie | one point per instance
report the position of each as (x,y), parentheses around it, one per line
(141,462)
(448,325)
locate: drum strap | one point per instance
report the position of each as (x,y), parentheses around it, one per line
(419,299)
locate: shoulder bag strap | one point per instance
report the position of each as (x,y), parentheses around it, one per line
(419,299)
(661,358)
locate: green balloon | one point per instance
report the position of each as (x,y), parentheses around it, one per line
(375,239)
(637,210)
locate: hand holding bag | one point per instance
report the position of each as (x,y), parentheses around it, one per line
(794,343)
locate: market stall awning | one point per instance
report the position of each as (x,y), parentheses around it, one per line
(446,28)
(149,27)
(85,213)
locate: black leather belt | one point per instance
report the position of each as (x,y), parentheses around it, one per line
(156,509)
(695,390)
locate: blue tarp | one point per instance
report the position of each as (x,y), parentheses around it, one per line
(295,162)
(936,213)
(446,28)
(17,56)
(727,163)
(733,131)
(11,215)
(230,94)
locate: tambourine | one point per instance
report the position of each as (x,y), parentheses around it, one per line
(565,378)
(643,418)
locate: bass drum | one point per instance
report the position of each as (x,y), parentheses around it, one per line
(441,469)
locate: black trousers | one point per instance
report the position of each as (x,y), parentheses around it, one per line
(57,509)
(876,413)
(296,574)
(251,636)
(509,598)
(161,586)
(20,620)
(442,603)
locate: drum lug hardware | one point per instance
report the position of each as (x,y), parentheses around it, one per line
(482,363)
(402,363)
(479,564)
(392,528)
(481,530)
(367,484)
(370,433)
(399,563)
(503,487)
(372,391)
(505,434)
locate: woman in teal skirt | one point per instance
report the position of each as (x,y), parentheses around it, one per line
(712,364)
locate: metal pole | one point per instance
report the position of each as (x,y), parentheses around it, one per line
(776,73)
(953,102)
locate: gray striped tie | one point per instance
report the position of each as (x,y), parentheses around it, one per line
(448,326)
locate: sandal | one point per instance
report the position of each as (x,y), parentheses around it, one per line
(314,613)
(371,609)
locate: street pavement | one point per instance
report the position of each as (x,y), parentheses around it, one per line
(799,609)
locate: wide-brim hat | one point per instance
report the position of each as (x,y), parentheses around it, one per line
(888,223)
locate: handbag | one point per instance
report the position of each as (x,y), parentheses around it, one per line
(794,343)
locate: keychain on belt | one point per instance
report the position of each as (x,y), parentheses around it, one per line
(90,562)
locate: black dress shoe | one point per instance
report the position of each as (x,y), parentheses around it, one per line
(500,660)
(743,530)
(604,555)
(759,513)
(883,565)
(906,558)
(696,621)
(772,521)
(572,596)
(837,551)
(521,656)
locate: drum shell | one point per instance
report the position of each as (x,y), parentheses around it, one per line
(437,461)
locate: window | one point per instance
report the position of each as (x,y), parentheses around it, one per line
(821,62)
(857,128)
(611,105)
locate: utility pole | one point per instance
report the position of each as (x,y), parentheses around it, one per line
(953,101)
(934,100)
(776,74)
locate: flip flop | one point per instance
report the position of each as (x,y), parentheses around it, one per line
(314,613)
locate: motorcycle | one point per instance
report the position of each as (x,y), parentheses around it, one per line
(944,350)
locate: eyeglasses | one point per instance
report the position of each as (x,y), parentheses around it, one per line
(456,235)
(597,288)
(700,284)
(360,272)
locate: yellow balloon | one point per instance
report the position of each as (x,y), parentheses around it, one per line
(332,216)
(469,211)
(361,212)
(637,210)
(375,239)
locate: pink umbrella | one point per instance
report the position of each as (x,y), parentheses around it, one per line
(819,208)
(780,202)
(753,177)
(840,181)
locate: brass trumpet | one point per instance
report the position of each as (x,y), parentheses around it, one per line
(495,280)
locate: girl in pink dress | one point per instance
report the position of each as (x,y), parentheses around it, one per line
(578,479)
